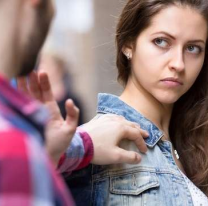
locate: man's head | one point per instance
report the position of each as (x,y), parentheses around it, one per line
(42,13)
(24,27)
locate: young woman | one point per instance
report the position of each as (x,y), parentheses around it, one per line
(162,63)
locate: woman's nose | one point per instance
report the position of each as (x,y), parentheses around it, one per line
(177,61)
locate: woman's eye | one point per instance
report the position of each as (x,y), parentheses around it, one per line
(194,49)
(161,43)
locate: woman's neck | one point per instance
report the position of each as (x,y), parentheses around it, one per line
(142,101)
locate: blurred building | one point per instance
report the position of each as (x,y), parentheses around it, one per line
(83,33)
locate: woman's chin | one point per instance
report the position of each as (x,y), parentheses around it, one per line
(168,99)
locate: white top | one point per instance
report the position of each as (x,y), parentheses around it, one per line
(198,197)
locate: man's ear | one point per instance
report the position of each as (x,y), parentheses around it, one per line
(35,3)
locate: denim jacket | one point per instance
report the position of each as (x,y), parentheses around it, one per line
(155,181)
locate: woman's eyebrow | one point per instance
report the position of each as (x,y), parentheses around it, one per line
(197,41)
(166,33)
(171,36)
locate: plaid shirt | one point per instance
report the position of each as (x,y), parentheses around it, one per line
(27,176)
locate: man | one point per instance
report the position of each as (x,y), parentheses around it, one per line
(26,175)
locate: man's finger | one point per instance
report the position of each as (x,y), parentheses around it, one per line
(128,157)
(22,84)
(140,143)
(144,133)
(45,85)
(72,113)
(34,86)
(134,134)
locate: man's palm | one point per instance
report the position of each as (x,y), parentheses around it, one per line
(59,132)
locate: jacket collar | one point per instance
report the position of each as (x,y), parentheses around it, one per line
(108,103)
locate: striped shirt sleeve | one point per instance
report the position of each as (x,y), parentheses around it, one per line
(78,155)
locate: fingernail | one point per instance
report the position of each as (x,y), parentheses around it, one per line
(144,151)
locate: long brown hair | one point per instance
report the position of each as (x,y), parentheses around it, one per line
(189,121)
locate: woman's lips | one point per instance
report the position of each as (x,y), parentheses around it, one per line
(172,82)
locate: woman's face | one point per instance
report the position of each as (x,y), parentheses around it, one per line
(169,54)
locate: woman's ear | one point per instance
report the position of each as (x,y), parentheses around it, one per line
(127,51)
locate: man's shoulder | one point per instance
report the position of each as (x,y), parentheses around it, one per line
(10,133)
(13,137)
